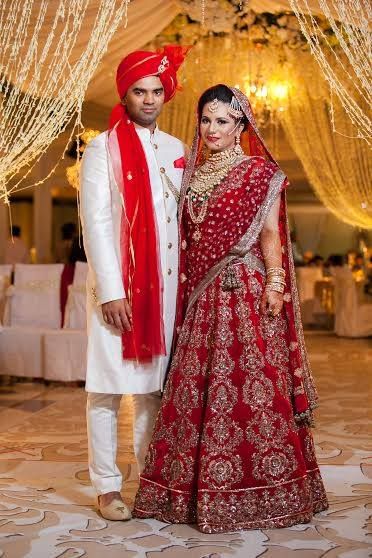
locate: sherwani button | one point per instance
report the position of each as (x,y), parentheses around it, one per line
(168,219)
(170,245)
(167,194)
(169,271)
(155,146)
(162,170)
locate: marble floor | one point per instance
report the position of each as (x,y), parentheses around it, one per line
(46,502)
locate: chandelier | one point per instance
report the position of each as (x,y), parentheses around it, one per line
(44,73)
(268,97)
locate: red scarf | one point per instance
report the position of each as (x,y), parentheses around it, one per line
(140,254)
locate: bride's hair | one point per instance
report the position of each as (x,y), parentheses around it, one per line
(221,93)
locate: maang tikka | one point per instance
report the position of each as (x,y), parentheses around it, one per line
(213,107)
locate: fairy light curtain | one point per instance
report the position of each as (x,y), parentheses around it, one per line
(350,21)
(339,168)
(44,73)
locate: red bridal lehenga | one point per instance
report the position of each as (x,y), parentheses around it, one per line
(232,448)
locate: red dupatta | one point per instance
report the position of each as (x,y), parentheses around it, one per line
(139,243)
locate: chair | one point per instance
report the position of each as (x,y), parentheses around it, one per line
(310,305)
(34,299)
(353,318)
(75,313)
(65,349)
(32,308)
(64,354)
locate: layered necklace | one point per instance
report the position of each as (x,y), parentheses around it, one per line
(205,179)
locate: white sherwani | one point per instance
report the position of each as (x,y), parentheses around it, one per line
(101,207)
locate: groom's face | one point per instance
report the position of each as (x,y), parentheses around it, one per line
(144,101)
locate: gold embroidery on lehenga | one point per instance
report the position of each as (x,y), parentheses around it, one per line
(229,448)
(258,392)
(222,471)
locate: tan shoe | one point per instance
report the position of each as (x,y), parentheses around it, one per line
(116,510)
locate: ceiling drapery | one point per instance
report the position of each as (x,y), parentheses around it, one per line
(151,17)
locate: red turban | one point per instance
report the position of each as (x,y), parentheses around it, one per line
(141,64)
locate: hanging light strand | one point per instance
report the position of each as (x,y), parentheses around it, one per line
(347,69)
(38,100)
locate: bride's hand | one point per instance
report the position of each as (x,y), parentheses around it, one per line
(271,303)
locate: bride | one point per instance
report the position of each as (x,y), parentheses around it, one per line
(232,448)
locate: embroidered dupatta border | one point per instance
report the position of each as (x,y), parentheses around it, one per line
(307,377)
(247,240)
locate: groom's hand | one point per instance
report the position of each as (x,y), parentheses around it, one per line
(118,313)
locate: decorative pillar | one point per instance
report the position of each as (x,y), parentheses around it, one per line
(43,223)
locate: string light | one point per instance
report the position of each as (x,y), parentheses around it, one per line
(38,101)
(348,73)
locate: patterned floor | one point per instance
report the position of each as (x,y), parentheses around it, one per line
(46,502)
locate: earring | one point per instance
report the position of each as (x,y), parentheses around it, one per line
(238,149)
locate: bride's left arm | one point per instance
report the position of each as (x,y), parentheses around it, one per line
(272,301)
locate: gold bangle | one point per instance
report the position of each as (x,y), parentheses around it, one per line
(276,288)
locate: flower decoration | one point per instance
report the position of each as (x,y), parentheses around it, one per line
(226,17)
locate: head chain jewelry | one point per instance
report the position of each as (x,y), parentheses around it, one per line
(235,109)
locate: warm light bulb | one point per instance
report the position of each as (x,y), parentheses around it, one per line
(279,90)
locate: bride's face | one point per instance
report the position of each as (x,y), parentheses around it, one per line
(218,129)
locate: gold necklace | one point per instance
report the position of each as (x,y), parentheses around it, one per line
(205,179)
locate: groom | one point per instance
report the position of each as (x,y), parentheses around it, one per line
(130,180)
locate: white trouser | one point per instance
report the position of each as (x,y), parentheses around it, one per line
(102,420)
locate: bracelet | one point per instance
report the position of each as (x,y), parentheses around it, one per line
(274,279)
(278,270)
(275,287)
(278,283)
